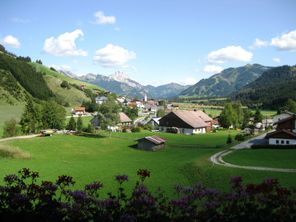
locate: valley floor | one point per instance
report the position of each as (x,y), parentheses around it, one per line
(185,160)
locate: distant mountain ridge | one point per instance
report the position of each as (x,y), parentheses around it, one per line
(121,84)
(271,90)
(225,82)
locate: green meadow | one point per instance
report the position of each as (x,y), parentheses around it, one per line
(185,160)
(281,158)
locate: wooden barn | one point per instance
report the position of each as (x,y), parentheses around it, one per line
(151,143)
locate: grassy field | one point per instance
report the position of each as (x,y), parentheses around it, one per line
(49,72)
(185,160)
(282,158)
(85,120)
(216,110)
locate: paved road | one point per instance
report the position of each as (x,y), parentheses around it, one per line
(253,141)
(19,137)
(217,158)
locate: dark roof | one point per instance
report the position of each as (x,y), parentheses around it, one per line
(293,116)
(281,132)
(154,139)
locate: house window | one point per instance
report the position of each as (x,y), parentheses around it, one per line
(277,142)
(282,141)
(287,142)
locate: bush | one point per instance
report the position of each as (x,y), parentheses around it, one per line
(136,129)
(11,128)
(24,198)
(229,139)
(172,130)
(240,137)
(267,146)
(65,84)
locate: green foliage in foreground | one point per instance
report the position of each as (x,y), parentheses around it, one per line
(24,198)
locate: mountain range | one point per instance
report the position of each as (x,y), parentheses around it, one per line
(225,82)
(271,90)
(121,84)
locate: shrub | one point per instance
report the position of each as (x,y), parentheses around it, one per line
(240,137)
(136,129)
(229,139)
(65,84)
(172,130)
(24,198)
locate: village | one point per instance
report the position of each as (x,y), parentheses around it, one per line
(161,116)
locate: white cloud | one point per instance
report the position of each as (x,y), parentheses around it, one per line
(102,19)
(276,60)
(259,43)
(113,56)
(11,41)
(229,53)
(212,69)
(64,44)
(286,41)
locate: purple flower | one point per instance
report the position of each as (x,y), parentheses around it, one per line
(121,178)
(236,181)
(49,186)
(94,186)
(79,195)
(127,218)
(11,178)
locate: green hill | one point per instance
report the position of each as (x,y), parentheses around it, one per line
(21,79)
(225,83)
(271,90)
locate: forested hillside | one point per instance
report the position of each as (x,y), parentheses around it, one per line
(225,82)
(271,90)
(31,80)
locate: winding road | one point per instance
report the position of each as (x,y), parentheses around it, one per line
(217,158)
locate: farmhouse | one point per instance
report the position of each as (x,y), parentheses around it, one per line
(187,122)
(101,99)
(78,110)
(154,121)
(151,143)
(285,133)
(124,120)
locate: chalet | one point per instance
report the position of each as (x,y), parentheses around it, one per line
(151,143)
(124,121)
(78,110)
(285,133)
(187,122)
(101,99)
(281,116)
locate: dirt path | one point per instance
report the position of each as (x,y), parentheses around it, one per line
(19,137)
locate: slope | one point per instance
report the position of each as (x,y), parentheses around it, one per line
(226,82)
(271,90)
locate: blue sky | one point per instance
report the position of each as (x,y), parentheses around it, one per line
(155,41)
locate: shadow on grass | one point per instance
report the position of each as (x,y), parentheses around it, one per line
(134,146)
(90,135)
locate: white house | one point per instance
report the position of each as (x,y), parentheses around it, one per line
(285,133)
(101,99)
(186,122)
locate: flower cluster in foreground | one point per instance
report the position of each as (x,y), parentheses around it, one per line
(23,198)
